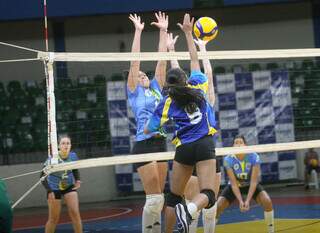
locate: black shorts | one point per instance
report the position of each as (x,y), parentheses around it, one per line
(58,194)
(193,152)
(309,168)
(229,195)
(150,145)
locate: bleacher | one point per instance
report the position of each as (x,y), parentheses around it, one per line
(81,112)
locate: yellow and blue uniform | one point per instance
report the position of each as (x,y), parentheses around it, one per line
(188,127)
(242,169)
(62,180)
(143,102)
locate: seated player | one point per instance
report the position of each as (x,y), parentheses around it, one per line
(243,172)
(311,162)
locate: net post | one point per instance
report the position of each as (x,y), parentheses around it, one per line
(51,109)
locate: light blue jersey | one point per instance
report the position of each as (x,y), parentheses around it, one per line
(143,102)
(188,127)
(63,179)
(242,169)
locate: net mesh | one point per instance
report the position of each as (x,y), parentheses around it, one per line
(269,100)
(269,96)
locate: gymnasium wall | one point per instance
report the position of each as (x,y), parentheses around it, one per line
(255,27)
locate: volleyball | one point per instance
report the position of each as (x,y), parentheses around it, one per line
(314,162)
(205,28)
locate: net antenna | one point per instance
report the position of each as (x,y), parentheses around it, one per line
(51,105)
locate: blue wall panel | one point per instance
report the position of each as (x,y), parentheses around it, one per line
(26,9)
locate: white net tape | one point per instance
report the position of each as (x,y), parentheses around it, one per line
(126,159)
(151,56)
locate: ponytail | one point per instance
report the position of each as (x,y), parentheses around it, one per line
(186,97)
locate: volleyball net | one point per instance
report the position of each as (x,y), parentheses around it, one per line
(269,96)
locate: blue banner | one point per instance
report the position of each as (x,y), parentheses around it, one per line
(256,105)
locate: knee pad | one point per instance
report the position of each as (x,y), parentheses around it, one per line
(154,203)
(211,197)
(172,199)
(210,212)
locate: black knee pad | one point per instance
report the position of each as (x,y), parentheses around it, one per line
(211,196)
(172,199)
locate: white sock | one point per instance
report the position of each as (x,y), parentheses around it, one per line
(147,221)
(151,215)
(209,219)
(157,224)
(269,219)
(194,224)
(193,209)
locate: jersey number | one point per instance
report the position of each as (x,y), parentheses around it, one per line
(195,117)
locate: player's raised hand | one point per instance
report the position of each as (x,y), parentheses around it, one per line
(171,41)
(162,21)
(187,24)
(200,43)
(137,22)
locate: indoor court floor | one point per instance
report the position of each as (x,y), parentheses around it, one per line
(296,210)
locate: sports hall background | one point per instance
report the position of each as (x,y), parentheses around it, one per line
(103,26)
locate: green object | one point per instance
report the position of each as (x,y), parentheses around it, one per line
(254,67)
(5,210)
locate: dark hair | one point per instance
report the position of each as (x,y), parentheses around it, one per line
(63,136)
(184,96)
(240,137)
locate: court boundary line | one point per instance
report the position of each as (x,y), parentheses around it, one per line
(126,211)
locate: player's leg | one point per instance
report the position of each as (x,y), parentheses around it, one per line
(209,215)
(191,190)
(150,178)
(307,173)
(72,201)
(152,175)
(54,207)
(264,200)
(180,175)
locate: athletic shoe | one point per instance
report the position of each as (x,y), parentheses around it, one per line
(183,218)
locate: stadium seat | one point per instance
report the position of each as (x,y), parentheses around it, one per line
(237,68)
(120,77)
(254,67)
(63,83)
(307,65)
(99,80)
(24,138)
(272,66)
(84,81)
(2,90)
(8,144)
(14,87)
(219,70)
(40,136)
